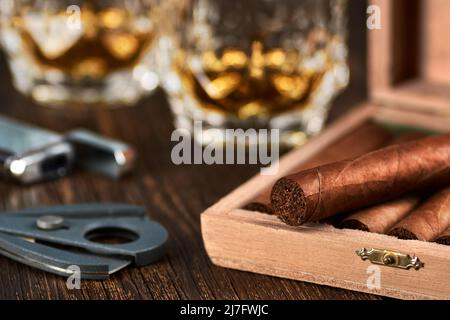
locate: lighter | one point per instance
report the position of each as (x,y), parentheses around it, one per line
(29,154)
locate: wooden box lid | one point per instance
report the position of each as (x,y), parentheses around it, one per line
(409,57)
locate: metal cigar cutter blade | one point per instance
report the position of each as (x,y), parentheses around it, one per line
(29,154)
(57,238)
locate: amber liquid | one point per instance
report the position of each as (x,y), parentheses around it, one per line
(260,83)
(107,41)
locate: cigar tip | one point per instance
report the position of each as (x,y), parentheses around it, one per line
(288,202)
(402,233)
(353,224)
(444,241)
(260,207)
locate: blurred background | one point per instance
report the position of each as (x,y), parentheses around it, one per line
(147,120)
(72,60)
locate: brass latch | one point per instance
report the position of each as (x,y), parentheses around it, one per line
(390,258)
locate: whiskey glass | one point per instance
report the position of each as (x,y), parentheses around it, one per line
(260,64)
(76,52)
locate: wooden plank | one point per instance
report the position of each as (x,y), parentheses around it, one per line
(406,118)
(380,53)
(408,61)
(416,95)
(322,254)
(435,53)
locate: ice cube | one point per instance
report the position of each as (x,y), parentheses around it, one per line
(54,34)
(218,88)
(121,45)
(112,18)
(291,86)
(234,58)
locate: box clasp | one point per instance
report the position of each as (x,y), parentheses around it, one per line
(390,258)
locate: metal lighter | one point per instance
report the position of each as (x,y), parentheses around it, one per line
(30,154)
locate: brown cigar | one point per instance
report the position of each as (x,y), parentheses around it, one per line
(261,203)
(444,238)
(365,138)
(380,218)
(367,219)
(428,221)
(348,185)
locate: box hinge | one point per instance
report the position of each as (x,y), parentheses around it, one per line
(390,258)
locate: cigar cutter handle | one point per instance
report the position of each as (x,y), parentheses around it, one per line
(78,227)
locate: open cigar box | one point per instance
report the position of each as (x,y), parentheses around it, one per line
(409,79)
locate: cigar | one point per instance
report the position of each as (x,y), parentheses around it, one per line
(368,137)
(347,185)
(428,221)
(444,238)
(380,218)
(261,203)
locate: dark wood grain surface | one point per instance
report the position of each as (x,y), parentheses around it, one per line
(174,195)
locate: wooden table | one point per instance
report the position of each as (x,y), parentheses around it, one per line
(174,195)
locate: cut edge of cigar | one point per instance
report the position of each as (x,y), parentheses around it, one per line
(407,228)
(444,238)
(403,233)
(353,224)
(261,203)
(258,206)
(396,210)
(288,202)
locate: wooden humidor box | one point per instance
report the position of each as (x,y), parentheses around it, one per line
(409,68)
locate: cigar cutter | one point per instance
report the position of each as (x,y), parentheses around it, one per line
(64,240)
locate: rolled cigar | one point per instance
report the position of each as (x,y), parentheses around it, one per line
(444,238)
(261,203)
(347,185)
(428,221)
(365,138)
(380,218)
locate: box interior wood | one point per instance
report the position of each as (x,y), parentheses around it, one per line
(409,63)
